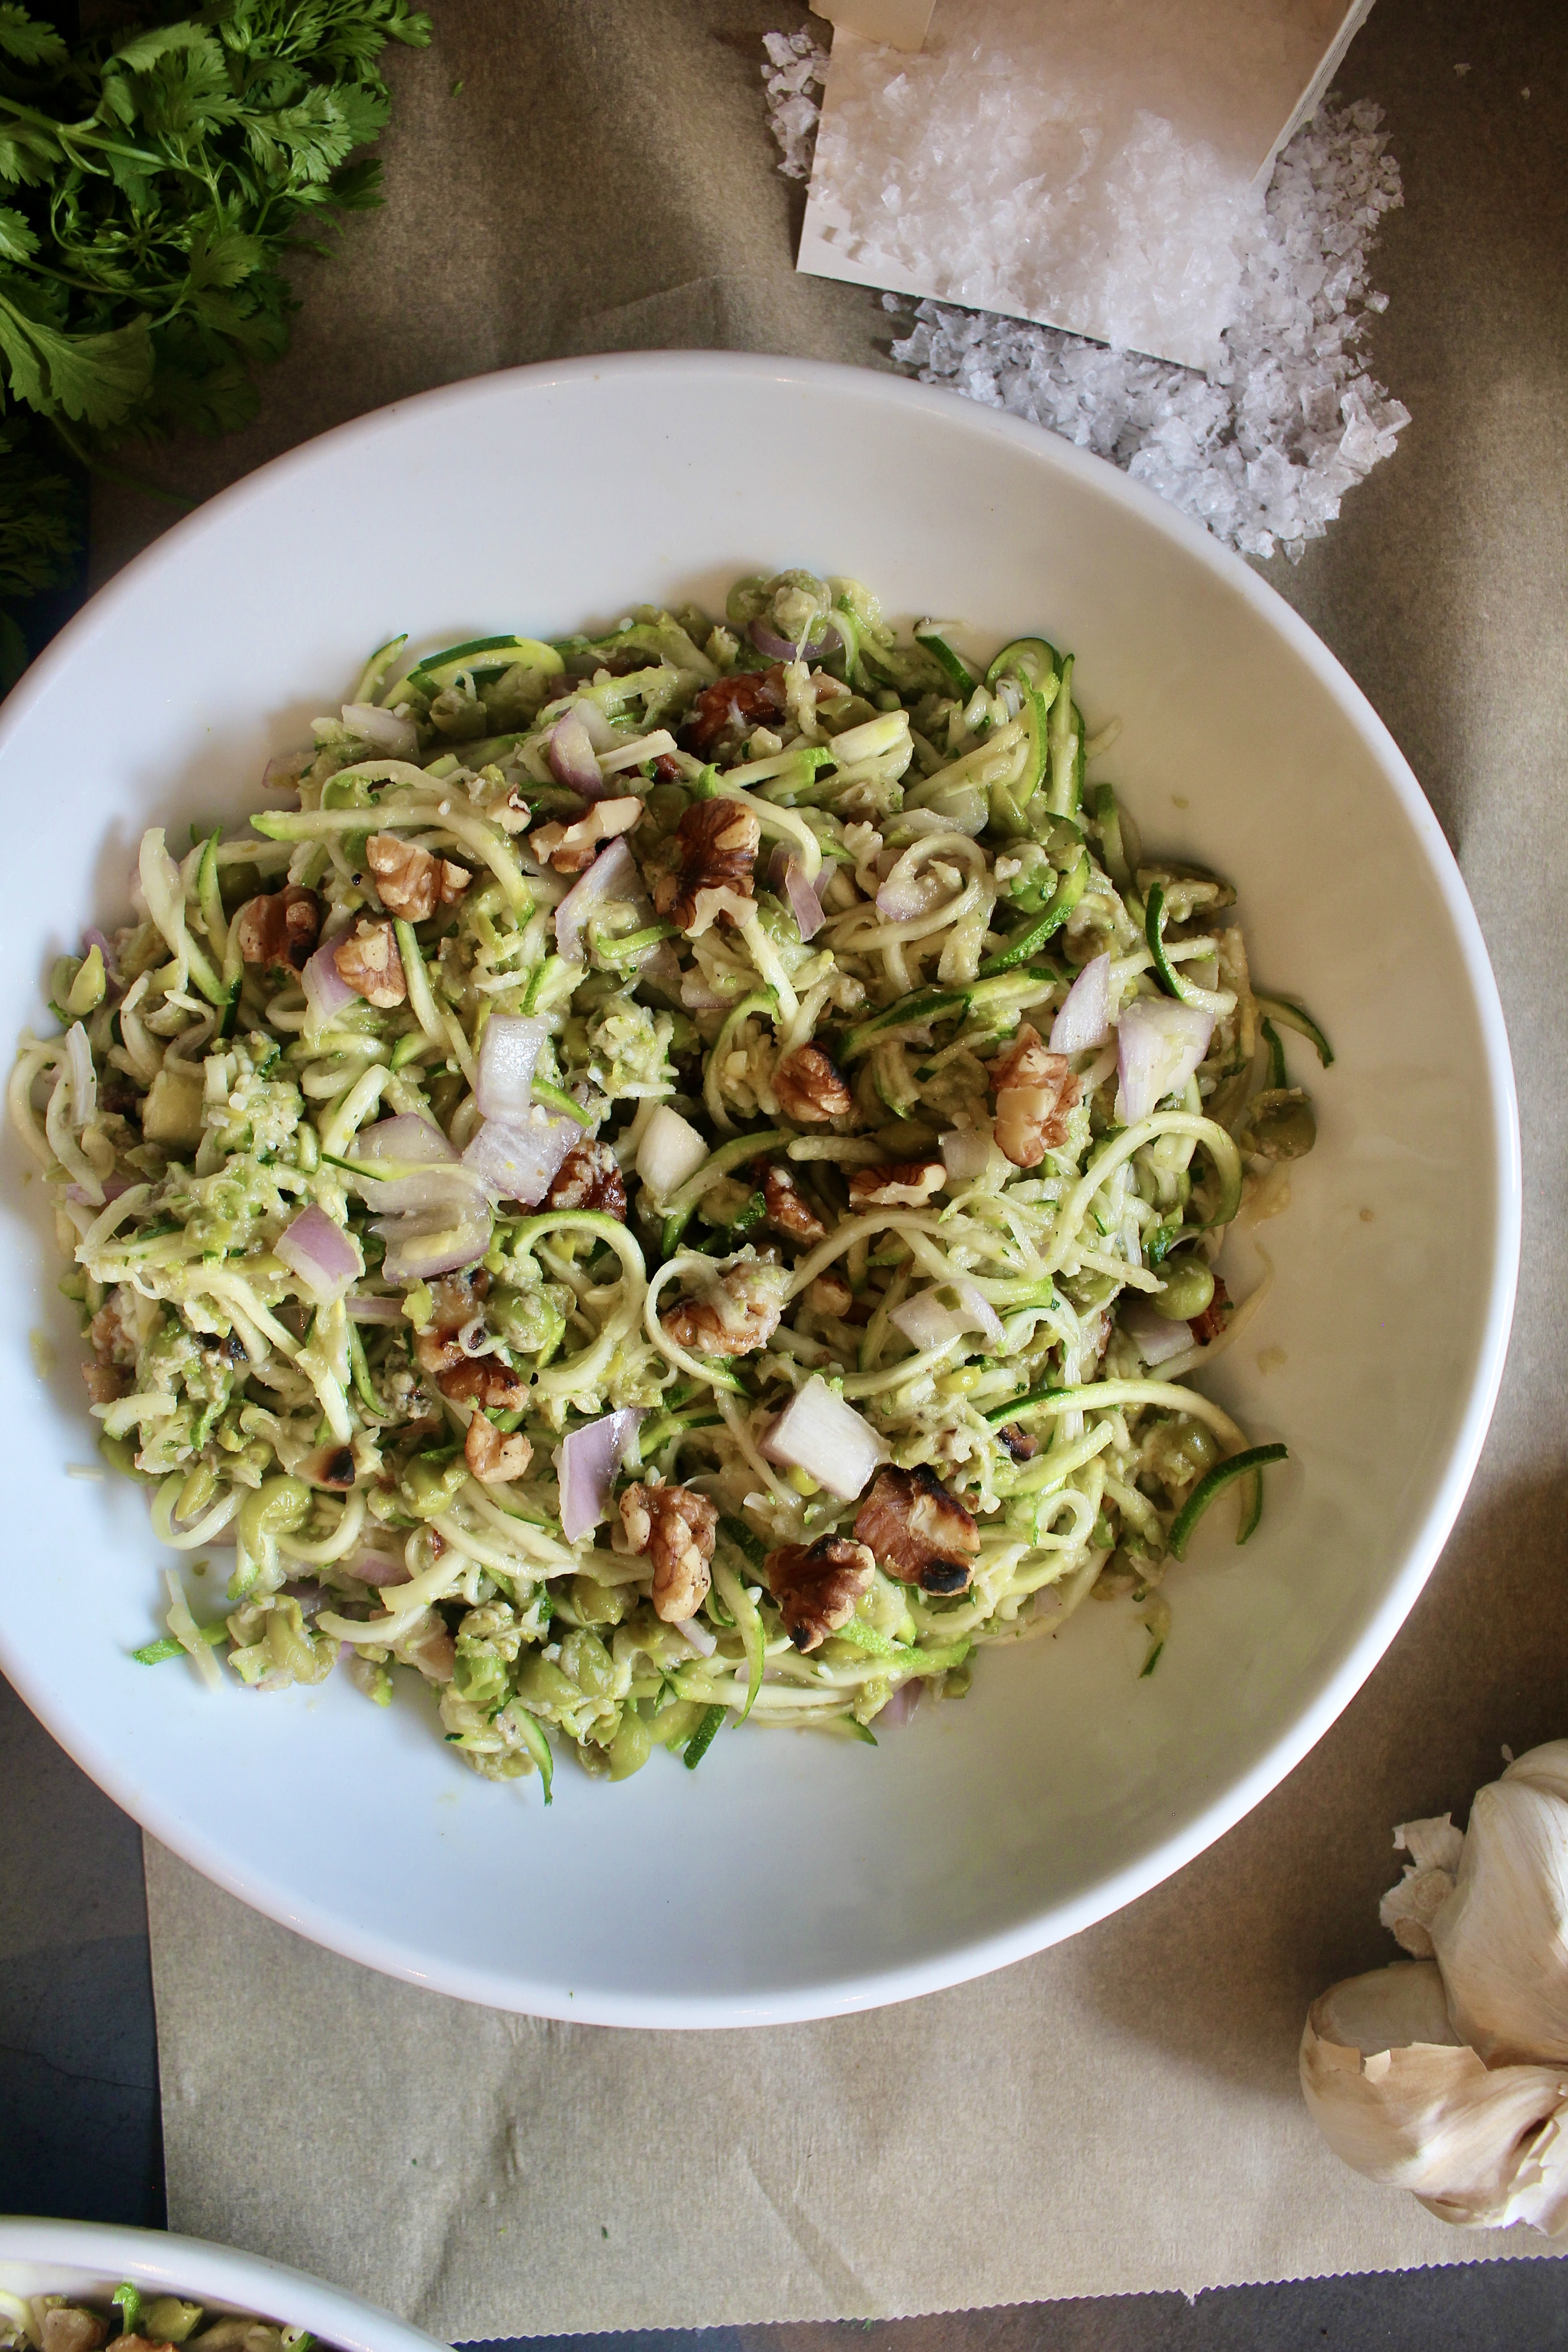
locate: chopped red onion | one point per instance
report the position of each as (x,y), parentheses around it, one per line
(408,1137)
(700,1636)
(1084,1020)
(573,759)
(778,865)
(112,1187)
(670,1150)
(981,1314)
(906,893)
(819,1434)
(966,1153)
(326,990)
(507,1052)
(94,938)
(517,1159)
(586,1464)
(376,1310)
(804,901)
(1156,1339)
(783,649)
(380,1568)
(306,1593)
(441,1186)
(440,1242)
(1159,1044)
(398,737)
(612,876)
(902,1707)
(284,770)
(325,1258)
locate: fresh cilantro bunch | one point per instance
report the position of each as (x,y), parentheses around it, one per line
(155,181)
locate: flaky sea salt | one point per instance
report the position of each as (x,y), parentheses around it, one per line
(795,67)
(1262,446)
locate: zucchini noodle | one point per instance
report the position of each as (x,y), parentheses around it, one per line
(814,1165)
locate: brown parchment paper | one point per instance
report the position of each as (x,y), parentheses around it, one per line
(1119,2114)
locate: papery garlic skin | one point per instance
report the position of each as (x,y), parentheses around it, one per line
(1408,1909)
(1501,1939)
(1398,2097)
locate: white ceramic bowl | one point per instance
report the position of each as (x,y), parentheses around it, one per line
(87,2259)
(795,1876)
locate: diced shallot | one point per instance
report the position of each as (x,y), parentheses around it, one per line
(670,1150)
(398,738)
(408,1137)
(586,1464)
(819,1434)
(783,649)
(325,1258)
(326,990)
(612,876)
(507,1052)
(1084,1020)
(573,759)
(805,904)
(703,1639)
(82,1074)
(1159,1044)
(925,1321)
(517,1159)
(967,1153)
(366,1309)
(440,1241)
(1156,1339)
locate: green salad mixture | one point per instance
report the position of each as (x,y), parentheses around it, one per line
(135,2323)
(667,1177)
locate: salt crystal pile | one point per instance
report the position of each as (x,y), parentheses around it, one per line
(1263,444)
(795,67)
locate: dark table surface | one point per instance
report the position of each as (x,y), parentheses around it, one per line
(1475,342)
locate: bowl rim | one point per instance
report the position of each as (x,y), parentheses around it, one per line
(979,1955)
(203,2271)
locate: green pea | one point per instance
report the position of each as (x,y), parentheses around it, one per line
(600,1604)
(479,1676)
(545,1690)
(277,1505)
(1088,1291)
(631,1746)
(585,1657)
(1189,1288)
(675,1722)
(1280,1125)
(431,1483)
(86,991)
(167,2320)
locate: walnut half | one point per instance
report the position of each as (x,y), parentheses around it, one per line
(816,1586)
(737,1314)
(809,1088)
(409,880)
(788,1209)
(1035,1091)
(280,928)
(915,1528)
(368,960)
(493,1454)
(675,1528)
(715,846)
(907,1185)
(589,1178)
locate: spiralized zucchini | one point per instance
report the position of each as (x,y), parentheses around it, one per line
(1007,1288)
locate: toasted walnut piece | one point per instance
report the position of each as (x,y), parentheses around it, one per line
(816,1586)
(113,1342)
(411,882)
(281,927)
(331,1465)
(1214,1316)
(368,960)
(107,1381)
(739,1313)
(69,2328)
(789,1211)
(830,1294)
(483,1379)
(808,1086)
(916,1527)
(589,1178)
(1035,1091)
(907,1185)
(493,1454)
(571,849)
(715,848)
(1017,1441)
(676,1529)
(734,707)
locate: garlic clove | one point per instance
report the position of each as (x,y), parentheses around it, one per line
(1501,1939)
(1401,2099)
(1408,1909)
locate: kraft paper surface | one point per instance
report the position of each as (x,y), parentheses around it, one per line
(1122,2113)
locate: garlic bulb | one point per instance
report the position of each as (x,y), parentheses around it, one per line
(1502,1939)
(1396,2093)
(1447,2075)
